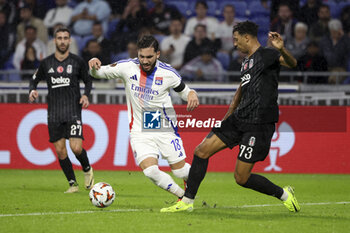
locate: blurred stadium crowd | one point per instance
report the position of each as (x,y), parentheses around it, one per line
(195,36)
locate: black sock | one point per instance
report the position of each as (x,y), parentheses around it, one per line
(263,185)
(67,168)
(84,161)
(196,175)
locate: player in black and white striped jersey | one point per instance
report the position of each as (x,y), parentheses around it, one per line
(62,72)
(249,122)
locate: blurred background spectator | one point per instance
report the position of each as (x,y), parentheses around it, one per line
(336,48)
(133,19)
(200,40)
(117,7)
(93,49)
(62,14)
(39,8)
(27,18)
(132,49)
(161,15)
(297,45)
(204,67)
(320,29)
(224,30)
(313,60)
(345,19)
(30,61)
(86,13)
(284,22)
(308,12)
(173,46)
(7,38)
(30,39)
(201,17)
(293,6)
(9,8)
(99,35)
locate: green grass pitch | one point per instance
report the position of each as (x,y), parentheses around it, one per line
(33,201)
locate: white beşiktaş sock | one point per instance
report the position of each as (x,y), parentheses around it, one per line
(163,180)
(284,196)
(188,200)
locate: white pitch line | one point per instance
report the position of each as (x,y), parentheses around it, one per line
(140,210)
(271,205)
(73,212)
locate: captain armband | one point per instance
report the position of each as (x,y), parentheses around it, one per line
(183,90)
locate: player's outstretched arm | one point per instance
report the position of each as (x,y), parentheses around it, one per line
(33,95)
(97,70)
(287,58)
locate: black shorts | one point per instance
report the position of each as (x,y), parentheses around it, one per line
(58,130)
(254,140)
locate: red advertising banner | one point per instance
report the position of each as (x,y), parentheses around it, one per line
(307,139)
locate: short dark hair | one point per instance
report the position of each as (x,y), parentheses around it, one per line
(230,5)
(246,27)
(28,27)
(96,22)
(148,41)
(203,3)
(284,4)
(91,41)
(313,44)
(208,49)
(200,25)
(61,29)
(323,6)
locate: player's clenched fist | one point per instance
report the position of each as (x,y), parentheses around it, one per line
(94,63)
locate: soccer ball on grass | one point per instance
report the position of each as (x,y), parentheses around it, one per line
(102,195)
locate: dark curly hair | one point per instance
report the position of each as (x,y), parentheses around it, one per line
(148,41)
(246,27)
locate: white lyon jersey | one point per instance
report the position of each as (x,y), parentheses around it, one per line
(145,93)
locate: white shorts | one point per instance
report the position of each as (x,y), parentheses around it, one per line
(167,145)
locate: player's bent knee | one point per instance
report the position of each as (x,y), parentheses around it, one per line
(76,149)
(201,152)
(240,179)
(182,173)
(61,153)
(153,173)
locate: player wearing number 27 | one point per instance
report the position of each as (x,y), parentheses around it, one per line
(250,120)
(62,72)
(147,84)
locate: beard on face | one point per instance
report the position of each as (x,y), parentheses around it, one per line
(151,68)
(62,51)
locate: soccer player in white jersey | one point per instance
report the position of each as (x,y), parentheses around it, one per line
(147,84)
